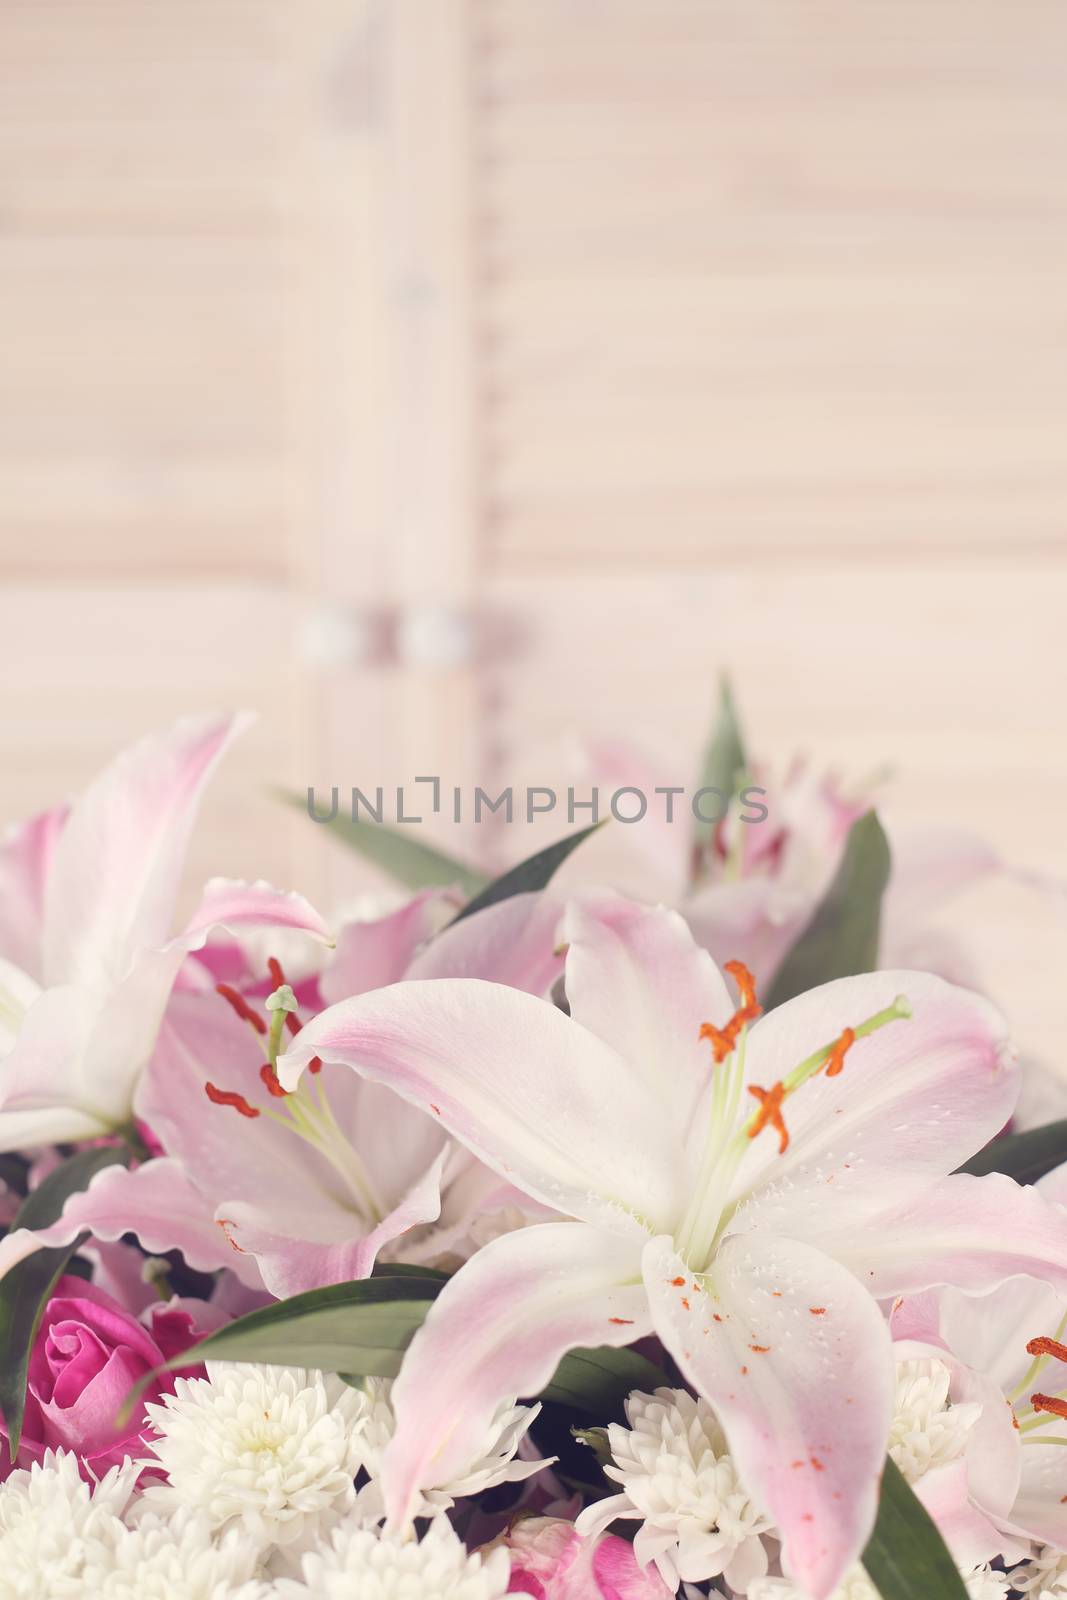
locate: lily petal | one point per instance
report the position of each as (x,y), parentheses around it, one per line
(26,852)
(236,905)
(156,1202)
(293,1261)
(18,991)
(754,920)
(971,1536)
(636,979)
(539,1098)
(116,866)
(797,1361)
(974,1233)
(46,1094)
(930,865)
(1039,1511)
(497,1330)
(990,1332)
(914,1100)
(380,950)
(513,942)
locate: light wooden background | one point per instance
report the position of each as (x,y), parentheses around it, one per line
(544,356)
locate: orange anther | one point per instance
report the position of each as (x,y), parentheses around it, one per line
(750,1007)
(770,1114)
(1047,1347)
(835,1061)
(1050,1403)
(724,1039)
(274,967)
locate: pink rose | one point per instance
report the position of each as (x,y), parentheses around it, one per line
(88,1354)
(553,1562)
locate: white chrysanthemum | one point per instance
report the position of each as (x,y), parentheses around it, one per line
(857,1586)
(47,1516)
(679,1480)
(362,1564)
(174,1559)
(273,1450)
(929,1430)
(985,1584)
(1044,1576)
(495,1463)
(982,1584)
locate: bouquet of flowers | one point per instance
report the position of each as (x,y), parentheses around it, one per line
(518,1241)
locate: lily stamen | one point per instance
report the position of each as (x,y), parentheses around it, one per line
(724,1040)
(237,1001)
(306,1113)
(835,1061)
(1028,1379)
(1043,1346)
(731,1132)
(270,1081)
(228,1097)
(1050,1403)
(769,1114)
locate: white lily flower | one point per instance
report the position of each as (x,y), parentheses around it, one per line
(746,1189)
(87,951)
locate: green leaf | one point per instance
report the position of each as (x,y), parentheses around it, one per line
(906,1556)
(598,1381)
(362,1329)
(410,861)
(406,1269)
(1023,1156)
(530,875)
(842,937)
(724,764)
(27,1287)
(596,1440)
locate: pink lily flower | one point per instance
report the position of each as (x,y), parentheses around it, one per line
(297,1191)
(744,1191)
(754,890)
(1007,1350)
(87,959)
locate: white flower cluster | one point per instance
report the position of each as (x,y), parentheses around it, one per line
(1044,1576)
(263,1483)
(259,1500)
